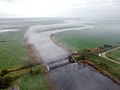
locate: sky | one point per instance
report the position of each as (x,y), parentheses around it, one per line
(59,8)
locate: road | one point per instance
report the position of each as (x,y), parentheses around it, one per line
(104,55)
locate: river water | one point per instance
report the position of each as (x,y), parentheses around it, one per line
(80,77)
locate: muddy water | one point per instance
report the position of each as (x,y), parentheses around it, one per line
(80,77)
(71,76)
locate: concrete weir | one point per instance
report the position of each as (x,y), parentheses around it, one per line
(66,76)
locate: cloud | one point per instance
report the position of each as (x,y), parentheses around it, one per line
(54,8)
(94,8)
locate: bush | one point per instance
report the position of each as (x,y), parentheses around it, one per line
(38,69)
(4,72)
(117,74)
(5,82)
(104,65)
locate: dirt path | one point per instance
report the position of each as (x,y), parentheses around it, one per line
(104,54)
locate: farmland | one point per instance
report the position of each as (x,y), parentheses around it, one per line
(13,52)
(88,38)
(115,55)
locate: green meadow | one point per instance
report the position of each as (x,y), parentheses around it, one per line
(88,38)
(115,55)
(34,79)
(34,82)
(13,53)
(111,67)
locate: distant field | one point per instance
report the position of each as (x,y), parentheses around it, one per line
(13,54)
(115,55)
(90,38)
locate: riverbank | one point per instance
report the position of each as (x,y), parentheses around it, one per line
(33,52)
(36,56)
(56,41)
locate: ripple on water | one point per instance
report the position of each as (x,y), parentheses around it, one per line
(81,77)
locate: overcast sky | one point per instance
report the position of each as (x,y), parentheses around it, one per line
(58,8)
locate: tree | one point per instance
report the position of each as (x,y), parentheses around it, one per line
(5,82)
(85,54)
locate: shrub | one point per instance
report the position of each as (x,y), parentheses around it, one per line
(104,65)
(5,82)
(4,72)
(38,69)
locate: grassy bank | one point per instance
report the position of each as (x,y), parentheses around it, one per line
(111,67)
(12,50)
(33,82)
(29,78)
(34,79)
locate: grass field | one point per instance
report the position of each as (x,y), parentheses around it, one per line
(12,51)
(34,81)
(111,67)
(114,55)
(90,38)
(13,54)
